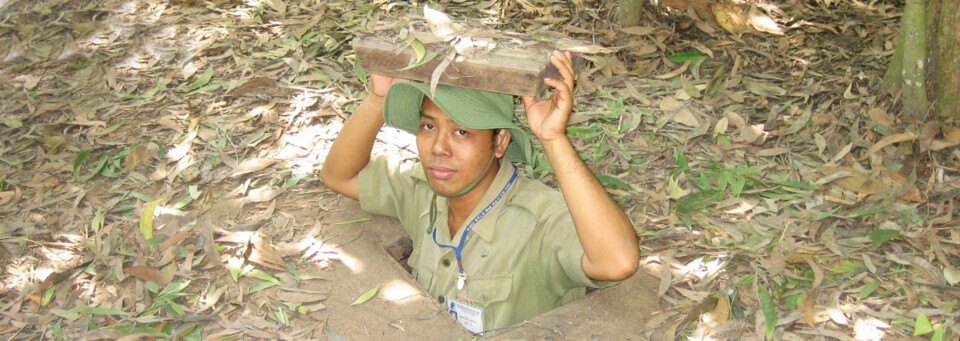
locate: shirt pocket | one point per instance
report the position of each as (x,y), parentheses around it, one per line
(486,291)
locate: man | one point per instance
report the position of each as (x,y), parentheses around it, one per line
(494,247)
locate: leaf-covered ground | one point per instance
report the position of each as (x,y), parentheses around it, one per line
(153,153)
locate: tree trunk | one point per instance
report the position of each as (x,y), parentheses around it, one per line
(946,78)
(629,13)
(914,36)
(926,62)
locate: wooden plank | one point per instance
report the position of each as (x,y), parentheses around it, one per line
(515,71)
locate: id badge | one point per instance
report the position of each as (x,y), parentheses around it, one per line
(469,316)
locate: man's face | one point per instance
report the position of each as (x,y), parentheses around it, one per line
(453,156)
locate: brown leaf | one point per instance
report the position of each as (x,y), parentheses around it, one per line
(136,157)
(145,273)
(954,134)
(886,141)
(299,297)
(763,23)
(880,116)
(807,308)
(857,182)
(722,312)
(676,72)
(817,271)
(638,30)
(252,165)
(257,86)
(730,17)
(170,124)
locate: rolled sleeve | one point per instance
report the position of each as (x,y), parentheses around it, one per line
(383,184)
(563,254)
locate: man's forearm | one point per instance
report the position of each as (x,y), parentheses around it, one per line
(351,149)
(609,241)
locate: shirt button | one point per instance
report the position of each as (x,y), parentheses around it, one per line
(441,299)
(446,263)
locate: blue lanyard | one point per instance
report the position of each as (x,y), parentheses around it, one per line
(459,248)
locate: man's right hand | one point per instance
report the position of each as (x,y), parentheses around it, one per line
(379,84)
(351,149)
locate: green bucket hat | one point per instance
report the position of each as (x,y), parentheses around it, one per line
(474,109)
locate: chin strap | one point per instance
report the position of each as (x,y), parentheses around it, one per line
(433,201)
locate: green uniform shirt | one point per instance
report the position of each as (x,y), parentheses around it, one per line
(521,259)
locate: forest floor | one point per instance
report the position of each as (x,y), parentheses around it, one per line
(158,167)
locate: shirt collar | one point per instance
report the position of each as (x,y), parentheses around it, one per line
(487,226)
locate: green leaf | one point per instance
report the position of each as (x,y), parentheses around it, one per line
(11,161)
(202,79)
(366,296)
(352,221)
(685,56)
(58,329)
(157,89)
(882,235)
(865,212)
(81,158)
(825,215)
(418,49)
(263,276)
(769,311)
(12,123)
(146,221)
(937,334)
(261,286)
(796,184)
(207,88)
(425,60)
(922,326)
(47,296)
(845,266)
(282,317)
(75,313)
(613,181)
(97,222)
(868,289)
(698,201)
(173,288)
(147,330)
(744,171)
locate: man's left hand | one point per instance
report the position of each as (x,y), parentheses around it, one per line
(548,117)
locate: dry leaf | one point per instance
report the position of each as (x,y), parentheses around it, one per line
(135,158)
(256,86)
(722,312)
(730,17)
(252,165)
(763,23)
(638,30)
(880,116)
(145,273)
(170,124)
(856,181)
(299,297)
(886,141)
(807,308)
(753,134)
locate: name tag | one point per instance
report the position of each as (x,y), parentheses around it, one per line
(469,316)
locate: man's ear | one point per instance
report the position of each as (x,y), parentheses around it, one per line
(503,140)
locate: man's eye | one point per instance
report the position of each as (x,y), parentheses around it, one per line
(428,126)
(461,132)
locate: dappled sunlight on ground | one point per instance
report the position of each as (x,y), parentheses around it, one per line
(396,291)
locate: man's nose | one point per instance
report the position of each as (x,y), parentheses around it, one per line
(441,145)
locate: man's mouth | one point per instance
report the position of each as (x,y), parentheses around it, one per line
(441,173)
